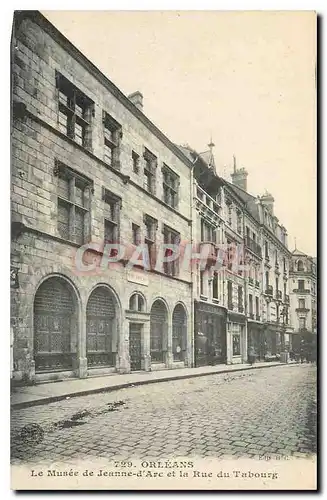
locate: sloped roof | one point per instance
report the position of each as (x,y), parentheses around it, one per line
(187,151)
(248,199)
(299,252)
(209,158)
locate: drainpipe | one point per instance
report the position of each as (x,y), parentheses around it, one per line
(192,273)
(245,296)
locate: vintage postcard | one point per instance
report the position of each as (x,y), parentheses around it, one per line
(163,250)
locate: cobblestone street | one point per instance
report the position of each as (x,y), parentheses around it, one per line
(259,412)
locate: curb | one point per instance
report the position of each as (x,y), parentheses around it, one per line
(53,399)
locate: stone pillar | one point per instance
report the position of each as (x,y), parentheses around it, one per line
(244,337)
(81,367)
(123,360)
(169,352)
(146,358)
(229,353)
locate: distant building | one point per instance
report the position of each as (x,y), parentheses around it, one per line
(303,296)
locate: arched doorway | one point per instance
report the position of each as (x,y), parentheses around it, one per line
(158,331)
(55,326)
(179,333)
(100,328)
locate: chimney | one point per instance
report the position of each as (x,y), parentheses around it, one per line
(137,99)
(239,177)
(268,201)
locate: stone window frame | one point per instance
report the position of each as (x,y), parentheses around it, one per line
(78,110)
(136,162)
(136,234)
(170,186)
(151,226)
(149,171)
(74,181)
(240,306)
(112,135)
(136,302)
(171,237)
(208,229)
(215,286)
(112,209)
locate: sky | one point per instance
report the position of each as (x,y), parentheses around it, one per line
(246,79)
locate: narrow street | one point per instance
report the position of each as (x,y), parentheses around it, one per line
(253,413)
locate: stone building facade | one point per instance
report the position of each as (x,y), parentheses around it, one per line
(303,298)
(99,194)
(89,168)
(267,279)
(246,280)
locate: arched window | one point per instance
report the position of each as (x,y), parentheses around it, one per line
(136,302)
(55,320)
(100,327)
(300,266)
(158,331)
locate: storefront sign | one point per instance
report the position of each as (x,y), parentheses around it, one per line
(210,309)
(138,277)
(236,318)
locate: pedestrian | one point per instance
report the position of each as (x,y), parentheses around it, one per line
(251,355)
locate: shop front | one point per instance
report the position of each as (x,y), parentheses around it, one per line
(210,334)
(256,339)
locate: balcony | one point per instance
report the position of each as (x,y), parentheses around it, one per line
(230,305)
(257,284)
(257,317)
(302,310)
(269,290)
(301,290)
(250,281)
(287,299)
(279,295)
(207,200)
(253,246)
(251,315)
(240,309)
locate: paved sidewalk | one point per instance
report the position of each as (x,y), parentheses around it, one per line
(44,393)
